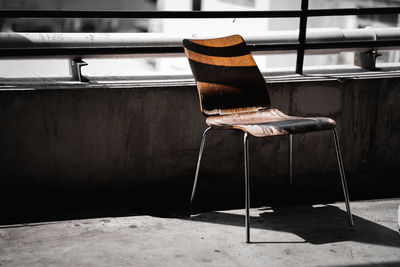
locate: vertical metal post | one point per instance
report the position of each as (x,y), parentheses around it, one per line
(196,5)
(247,185)
(302,36)
(290,160)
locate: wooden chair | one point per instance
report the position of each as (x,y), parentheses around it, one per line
(233,95)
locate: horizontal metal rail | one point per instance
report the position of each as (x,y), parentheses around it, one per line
(148,14)
(86,51)
(11,13)
(360,44)
(148,50)
(352,11)
(318,41)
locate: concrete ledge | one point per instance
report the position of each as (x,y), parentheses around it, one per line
(120,136)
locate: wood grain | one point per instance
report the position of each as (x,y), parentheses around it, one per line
(233,93)
(228,79)
(270,122)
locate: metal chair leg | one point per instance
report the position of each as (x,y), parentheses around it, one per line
(203,139)
(290,160)
(342,176)
(247,185)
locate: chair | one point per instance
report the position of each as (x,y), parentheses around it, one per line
(233,95)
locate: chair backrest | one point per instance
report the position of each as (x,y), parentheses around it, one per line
(227,77)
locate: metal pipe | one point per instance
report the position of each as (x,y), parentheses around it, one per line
(318,41)
(290,160)
(132,51)
(302,37)
(319,35)
(388,44)
(148,14)
(12,13)
(196,176)
(342,177)
(247,185)
(352,11)
(88,52)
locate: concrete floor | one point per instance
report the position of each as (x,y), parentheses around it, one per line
(292,236)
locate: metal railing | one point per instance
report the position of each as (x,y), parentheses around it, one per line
(300,45)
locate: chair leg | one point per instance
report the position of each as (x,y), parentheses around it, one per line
(342,176)
(290,160)
(203,139)
(247,185)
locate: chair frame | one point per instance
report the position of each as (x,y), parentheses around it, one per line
(290,159)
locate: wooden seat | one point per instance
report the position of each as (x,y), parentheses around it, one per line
(270,122)
(233,95)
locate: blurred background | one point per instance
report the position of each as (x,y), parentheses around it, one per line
(186,27)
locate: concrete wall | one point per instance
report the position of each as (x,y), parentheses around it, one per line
(91,137)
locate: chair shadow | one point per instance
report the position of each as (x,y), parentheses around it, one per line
(320,225)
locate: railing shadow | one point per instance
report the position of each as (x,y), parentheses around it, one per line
(320,225)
